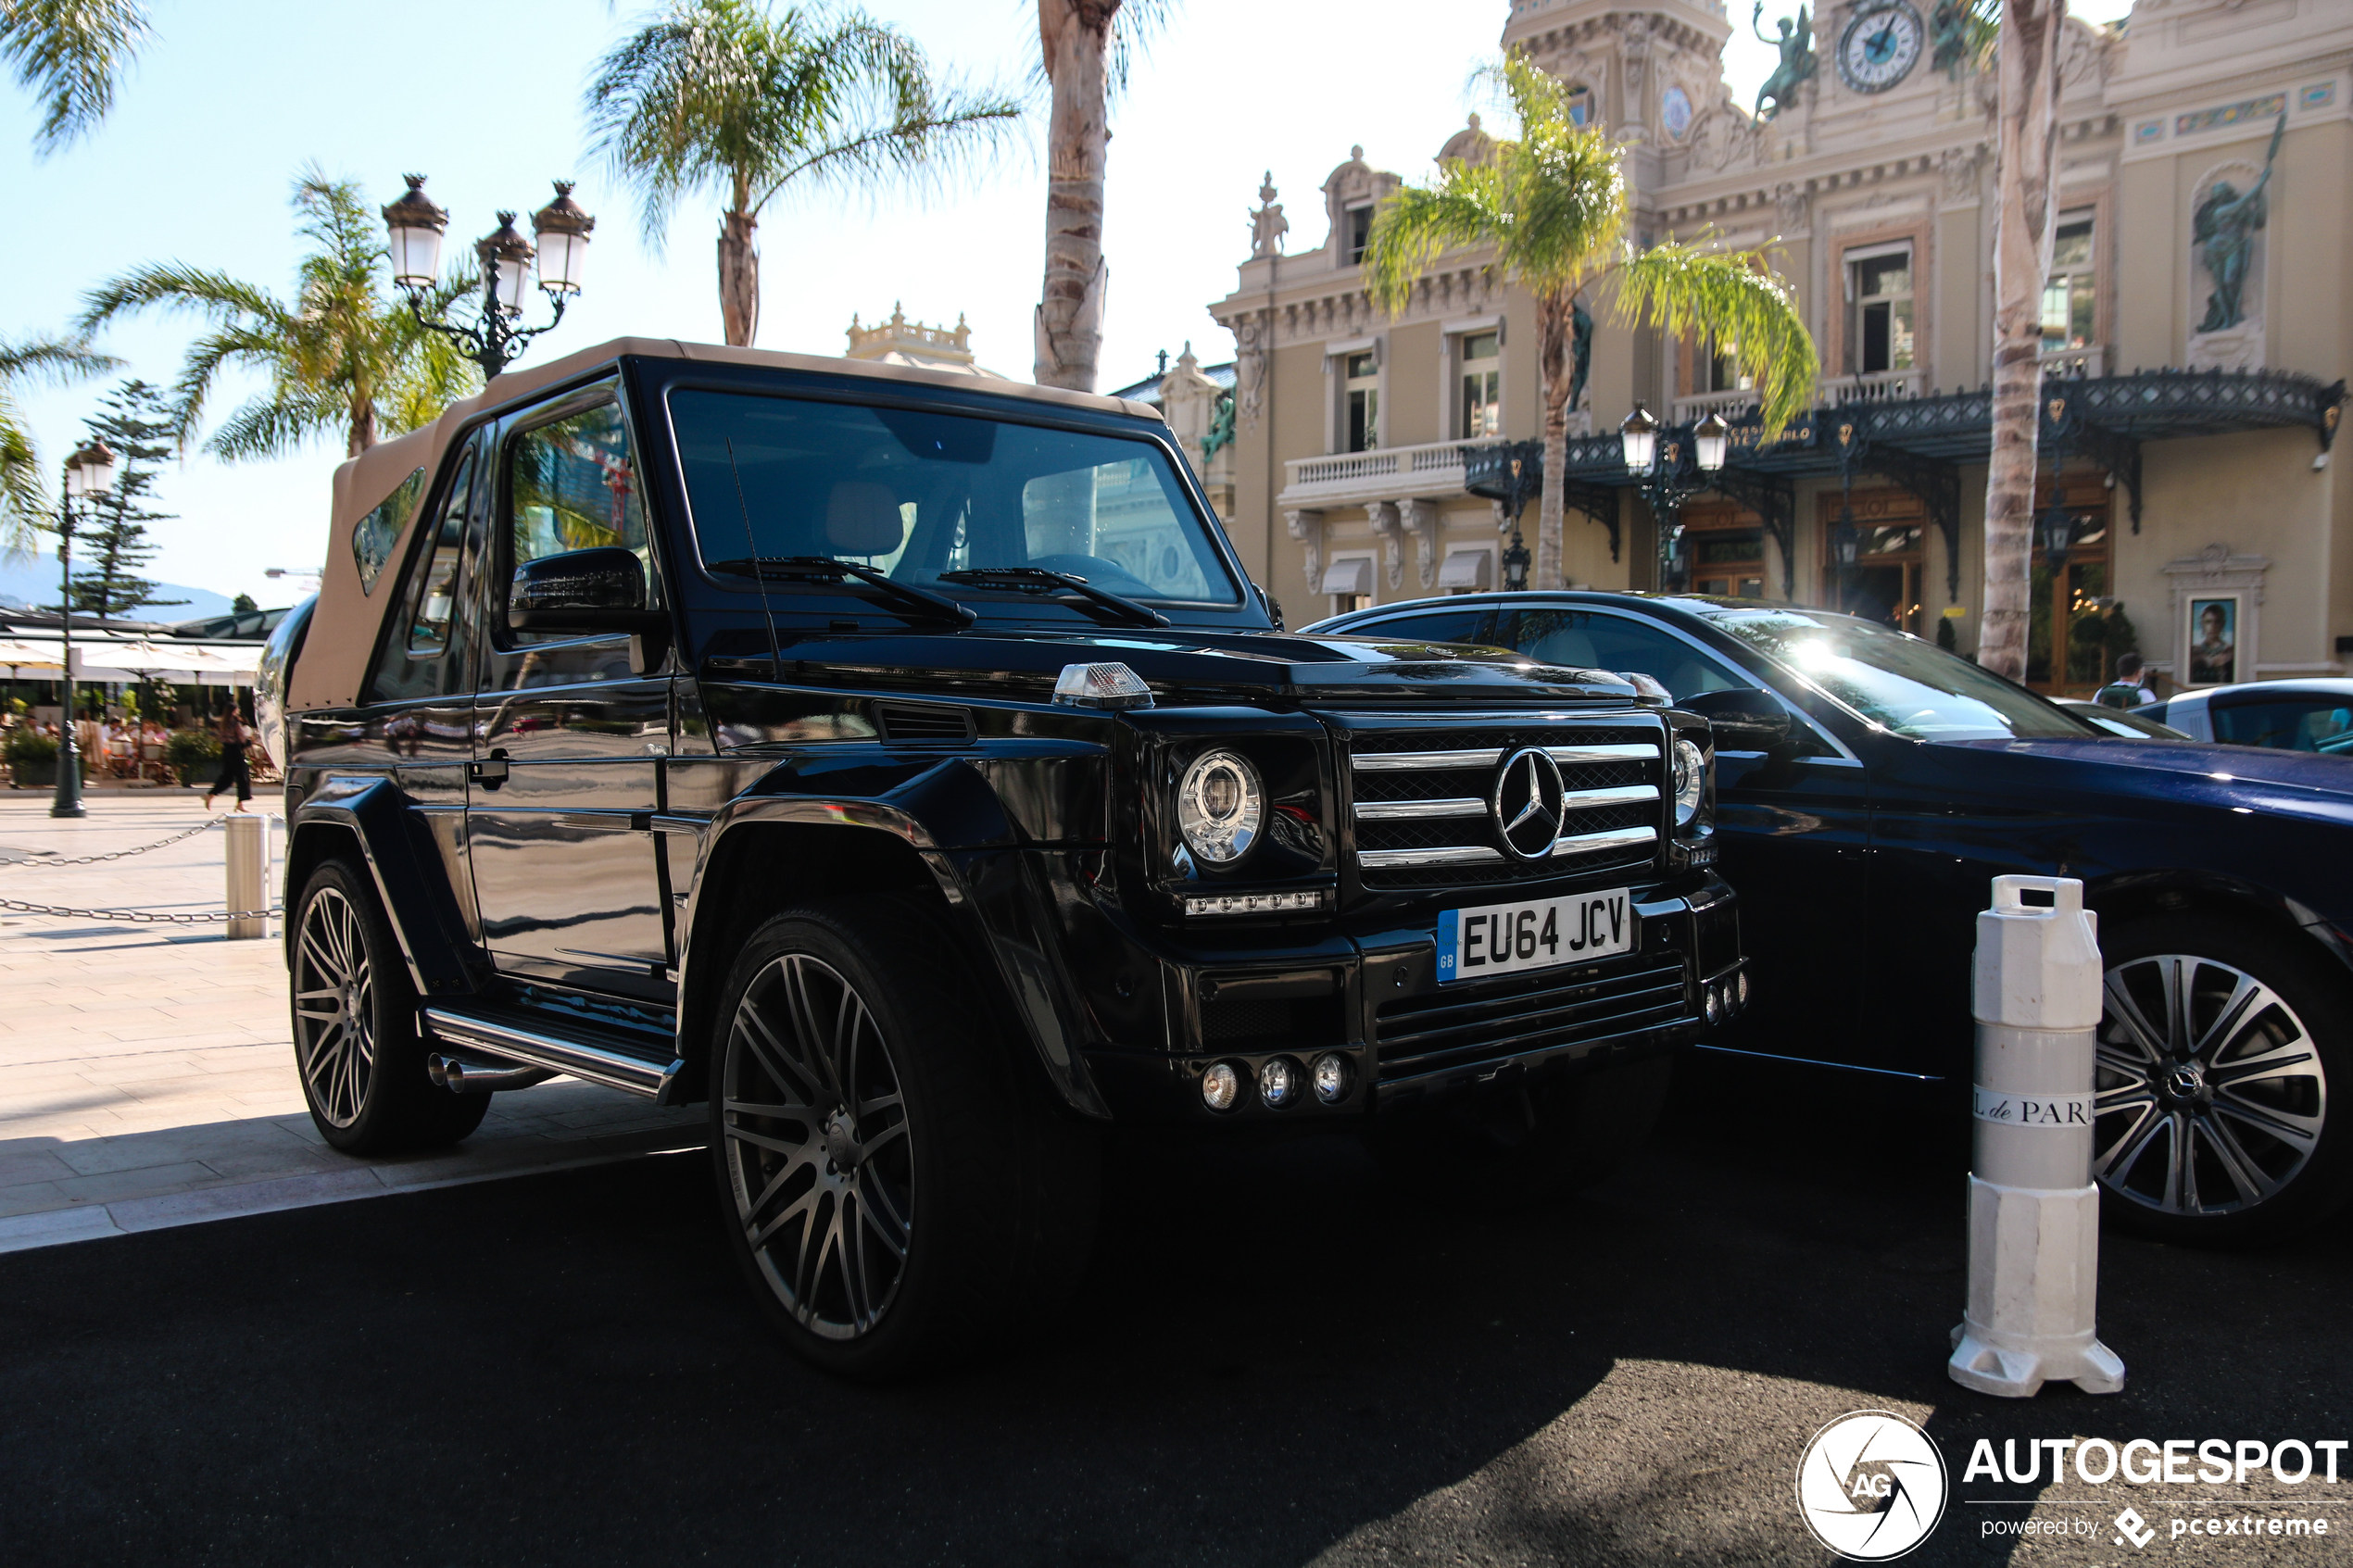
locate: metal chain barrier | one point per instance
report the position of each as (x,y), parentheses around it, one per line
(138,917)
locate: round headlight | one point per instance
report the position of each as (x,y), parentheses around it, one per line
(1218,806)
(1691,780)
(1220,1086)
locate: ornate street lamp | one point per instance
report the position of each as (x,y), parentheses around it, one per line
(88,474)
(416,227)
(1670,464)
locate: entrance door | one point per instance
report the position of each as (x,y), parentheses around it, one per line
(1884,582)
(568,739)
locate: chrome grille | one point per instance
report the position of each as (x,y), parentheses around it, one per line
(1422,817)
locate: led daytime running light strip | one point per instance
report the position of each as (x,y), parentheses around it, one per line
(1253,903)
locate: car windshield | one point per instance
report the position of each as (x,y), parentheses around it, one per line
(917,496)
(1898,682)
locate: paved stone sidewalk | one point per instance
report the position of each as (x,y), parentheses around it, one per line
(147,1073)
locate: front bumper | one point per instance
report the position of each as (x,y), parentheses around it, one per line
(1374,1000)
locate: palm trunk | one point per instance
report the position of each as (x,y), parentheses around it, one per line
(739,278)
(1553,307)
(2026,185)
(1075,36)
(363,425)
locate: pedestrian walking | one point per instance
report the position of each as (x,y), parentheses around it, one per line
(233,733)
(2131,687)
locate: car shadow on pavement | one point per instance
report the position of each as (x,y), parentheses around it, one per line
(1278,1356)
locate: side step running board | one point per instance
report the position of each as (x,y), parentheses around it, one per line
(596,1063)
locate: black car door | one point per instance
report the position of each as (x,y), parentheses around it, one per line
(419,696)
(569,736)
(1794,829)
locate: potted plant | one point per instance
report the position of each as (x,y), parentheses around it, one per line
(33,757)
(191,752)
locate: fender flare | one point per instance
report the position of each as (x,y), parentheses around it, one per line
(984,882)
(404,867)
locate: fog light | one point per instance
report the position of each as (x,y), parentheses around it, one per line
(1714,1005)
(1331,1077)
(1220,1086)
(1278,1082)
(1742,985)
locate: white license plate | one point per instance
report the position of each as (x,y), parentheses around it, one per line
(1507,938)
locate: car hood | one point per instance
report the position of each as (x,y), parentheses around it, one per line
(2233,775)
(1184,666)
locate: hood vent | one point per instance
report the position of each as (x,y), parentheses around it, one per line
(905,722)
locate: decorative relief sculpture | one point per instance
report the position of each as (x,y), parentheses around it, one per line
(1961,168)
(1420,520)
(1250,364)
(1382,515)
(1798,62)
(1795,208)
(1268,224)
(1307,528)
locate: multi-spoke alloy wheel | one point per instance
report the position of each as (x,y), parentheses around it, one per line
(356,1043)
(894,1183)
(2213,1089)
(817,1147)
(334,1007)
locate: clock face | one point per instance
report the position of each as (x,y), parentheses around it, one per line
(1879,47)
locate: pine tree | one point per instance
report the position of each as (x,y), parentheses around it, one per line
(137,423)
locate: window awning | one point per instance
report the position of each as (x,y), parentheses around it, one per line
(1348,577)
(1474,569)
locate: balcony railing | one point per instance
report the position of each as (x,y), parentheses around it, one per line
(2081,364)
(2075,364)
(1386,474)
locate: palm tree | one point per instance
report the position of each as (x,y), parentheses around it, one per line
(68,53)
(1084,46)
(24,506)
(2025,202)
(342,358)
(1551,205)
(726,96)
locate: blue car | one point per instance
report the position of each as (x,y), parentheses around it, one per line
(1870,786)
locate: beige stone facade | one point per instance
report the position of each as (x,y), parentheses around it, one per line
(1872,186)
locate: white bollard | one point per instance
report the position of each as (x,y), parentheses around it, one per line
(2033,1211)
(248,860)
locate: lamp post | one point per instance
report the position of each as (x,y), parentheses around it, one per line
(88,474)
(1671,464)
(416,227)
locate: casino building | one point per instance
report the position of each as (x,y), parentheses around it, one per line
(2197,326)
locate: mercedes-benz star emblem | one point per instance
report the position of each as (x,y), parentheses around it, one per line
(1527,803)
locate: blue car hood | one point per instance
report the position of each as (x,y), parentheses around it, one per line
(2224,775)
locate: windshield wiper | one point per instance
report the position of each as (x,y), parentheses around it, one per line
(918,604)
(1039,577)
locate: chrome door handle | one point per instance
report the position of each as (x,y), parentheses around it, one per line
(490,774)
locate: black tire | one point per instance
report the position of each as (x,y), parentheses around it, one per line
(1532,1145)
(2242,1082)
(902,1193)
(357,1049)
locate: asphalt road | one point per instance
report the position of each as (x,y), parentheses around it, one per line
(1278,1358)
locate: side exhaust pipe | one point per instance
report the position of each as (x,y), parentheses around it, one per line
(461,1077)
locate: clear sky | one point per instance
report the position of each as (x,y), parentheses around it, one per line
(232,97)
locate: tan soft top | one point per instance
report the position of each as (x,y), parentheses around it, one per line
(344,626)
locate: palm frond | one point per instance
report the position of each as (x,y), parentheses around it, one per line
(22,500)
(177,286)
(53,358)
(727,97)
(68,55)
(1418,225)
(1734,297)
(271,427)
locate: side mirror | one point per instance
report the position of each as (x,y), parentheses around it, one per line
(590,591)
(1744,719)
(1271,604)
(576,591)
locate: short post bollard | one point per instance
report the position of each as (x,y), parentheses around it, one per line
(248,874)
(2033,1211)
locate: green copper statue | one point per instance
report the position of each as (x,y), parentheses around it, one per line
(1948,38)
(2223,228)
(1796,44)
(1580,347)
